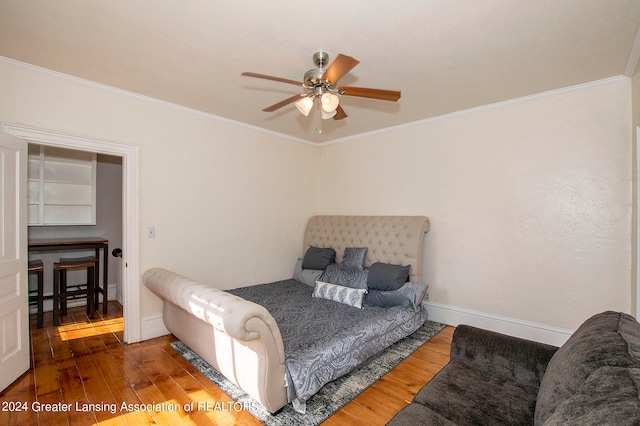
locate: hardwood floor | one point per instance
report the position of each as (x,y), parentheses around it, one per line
(83,373)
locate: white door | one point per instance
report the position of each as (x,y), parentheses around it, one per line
(14,316)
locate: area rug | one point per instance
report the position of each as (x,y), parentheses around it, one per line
(333,395)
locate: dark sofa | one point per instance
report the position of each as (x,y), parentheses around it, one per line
(494,379)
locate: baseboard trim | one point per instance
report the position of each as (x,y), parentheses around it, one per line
(452,315)
(152,326)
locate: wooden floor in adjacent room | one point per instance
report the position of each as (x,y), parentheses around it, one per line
(85,362)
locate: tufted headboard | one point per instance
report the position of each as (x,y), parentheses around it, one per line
(390,239)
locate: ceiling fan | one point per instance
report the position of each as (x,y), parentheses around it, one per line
(320,84)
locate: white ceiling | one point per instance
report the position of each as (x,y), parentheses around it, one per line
(443,55)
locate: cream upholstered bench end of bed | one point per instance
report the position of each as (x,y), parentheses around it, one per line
(237,337)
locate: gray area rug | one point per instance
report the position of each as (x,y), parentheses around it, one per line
(333,395)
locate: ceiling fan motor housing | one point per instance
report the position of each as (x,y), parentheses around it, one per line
(320,59)
(313,78)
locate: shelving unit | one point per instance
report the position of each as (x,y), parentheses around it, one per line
(61,186)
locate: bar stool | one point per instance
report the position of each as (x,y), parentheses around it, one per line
(62,293)
(36,297)
(100,289)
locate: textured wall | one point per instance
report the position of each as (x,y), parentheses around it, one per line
(219,194)
(529,201)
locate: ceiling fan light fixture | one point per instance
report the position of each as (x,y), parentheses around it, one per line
(304,105)
(329,102)
(328,115)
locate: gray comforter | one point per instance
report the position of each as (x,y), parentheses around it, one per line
(324,340)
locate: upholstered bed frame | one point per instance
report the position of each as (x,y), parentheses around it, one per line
(240,338)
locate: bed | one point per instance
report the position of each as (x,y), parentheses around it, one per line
(284,352)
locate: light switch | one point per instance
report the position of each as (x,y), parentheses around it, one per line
(151,232)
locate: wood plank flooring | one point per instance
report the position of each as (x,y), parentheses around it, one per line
(83,373)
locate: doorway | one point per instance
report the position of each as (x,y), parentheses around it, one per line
(129,274)
(78,195)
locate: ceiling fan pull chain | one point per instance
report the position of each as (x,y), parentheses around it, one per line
(318,115)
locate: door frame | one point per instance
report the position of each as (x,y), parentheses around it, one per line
(130,274)
(636,267)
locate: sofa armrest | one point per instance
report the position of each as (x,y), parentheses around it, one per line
(512,358)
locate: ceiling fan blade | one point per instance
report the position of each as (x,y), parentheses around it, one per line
(340,114)
(363,92)
(283,103)
(339,67)
(270,77)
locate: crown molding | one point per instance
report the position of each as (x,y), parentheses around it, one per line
(634,57)
(114,90)
(495,105)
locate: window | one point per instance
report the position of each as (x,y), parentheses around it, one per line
(61,186)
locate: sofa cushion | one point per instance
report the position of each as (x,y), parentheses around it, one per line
(416,414)
(511,358)
(609,339)
(466,395)
(609,396)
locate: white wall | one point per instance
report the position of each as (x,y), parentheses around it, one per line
(229,203)
(529,201)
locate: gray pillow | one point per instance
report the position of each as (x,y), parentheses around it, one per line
(318,258)
(386,277)
(410,295)
(306,276)
(348,277)
(354,257)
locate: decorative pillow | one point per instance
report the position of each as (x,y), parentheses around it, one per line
(386,277)
(318,258)
(410,295)
(306,276)
(354,257)
(349,277)
(337,293)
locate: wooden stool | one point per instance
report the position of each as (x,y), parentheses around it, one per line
(62,293)
(100,289)
(37,296)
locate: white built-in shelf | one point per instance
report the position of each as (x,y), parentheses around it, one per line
(61,186)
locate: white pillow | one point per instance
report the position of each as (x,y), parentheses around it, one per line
(338,293)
